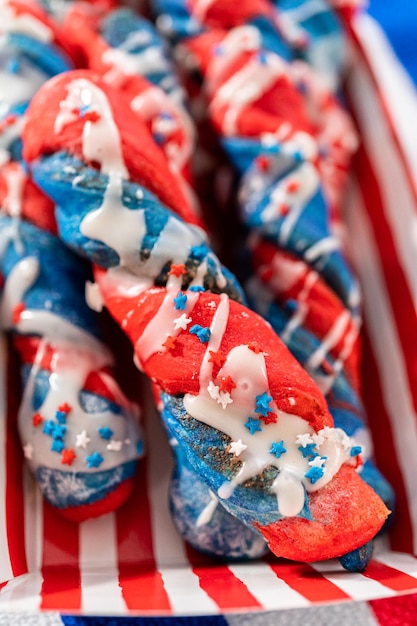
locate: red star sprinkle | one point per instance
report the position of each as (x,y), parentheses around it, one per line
(283,209)
(65,407)
(169,343)
(217,358)
(293,186)
(227,384)
(266,274)
(17,312)
(270,418)
(91,116)
(255,347)
(262,163)
(177,270)
(68,456)
(37,419)
(8,121)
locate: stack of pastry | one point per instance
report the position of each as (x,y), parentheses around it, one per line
(106,149)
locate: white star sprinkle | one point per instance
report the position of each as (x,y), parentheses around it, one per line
(182,322)
(224,399)
(318,439)
(114,445)
(214,390)
(82,440)
(237,447)
(318,461)
(28,451)
(303,440)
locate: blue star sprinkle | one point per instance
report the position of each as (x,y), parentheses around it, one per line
(277,448)
(355,450)
(48,427)
(262,57)
(253,425)
(59,431)
(61,417)
(314,474)
(94,460)
(57,445)
(13,66)
(84,109)
(308,450)
(262,402)
(180,301)
(202,333)
(196,288)
(105,432)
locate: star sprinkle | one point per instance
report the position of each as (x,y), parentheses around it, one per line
(17,312)
(277,448)
(37,419)
(314,474)
(57,445)
(169,343)
(262,402)
(201,332)
(318,439)
(48,427)
(61,416)
(237,447)
(65,408)
(177,270)
(308,450)
(105,432)
(224,399)
(180,301)
(58,431)
(94,460)
(253,425)
(303,440)
(355,450)
(28,451)
(82,440)
(255,347)
(270,418)
(114,445)
(227,384)
(196,288)
(217,358)
(318,461)
(68,456)
(213,390)
(182,322)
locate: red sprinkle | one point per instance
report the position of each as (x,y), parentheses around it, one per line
(169,343)
(37,419)
(217,358)
(270,418)
(65,407)
(68,456)
(177,270)
(227,384)
(17,311)
(283,209)
(262,163)
(292,186)
(255,347)
(91,116)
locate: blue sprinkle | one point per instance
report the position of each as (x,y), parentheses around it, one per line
(253,425)
(202,333)
(262,402)
(84,109)
(59,431)
(94,460)
(198,252)
(180,301)
(308,450)
(196,288)
(13,66)
(48,427)
(314,474)
(57,445)
(105,432)
(61,417)
(355,450)
(262,57)
(218,50)
(277,448)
